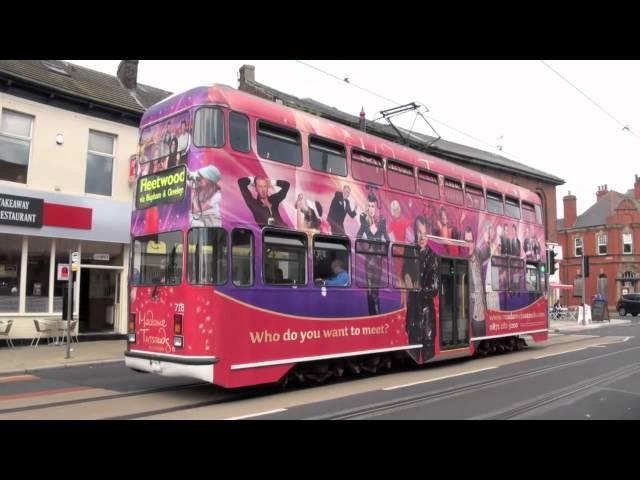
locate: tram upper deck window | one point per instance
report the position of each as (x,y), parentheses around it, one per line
(474,197)
(279,144)
(428,184)
(528,212)
(157,259)
(284,259)
(401,176)
(494,203)
(207,256)
(512,207)
(239,132)
(453,191)
(538,214)
(367,167)
(327,156)
(208,128)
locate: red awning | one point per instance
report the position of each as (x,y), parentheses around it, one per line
(562,286)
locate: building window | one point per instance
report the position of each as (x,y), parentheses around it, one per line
(284,259)
(209,128)
(327,156)
(242,257)
(15,146)
(331,262)
(10,260)
(239,132)
(99,176)
(38,263)
(578,246)
(279,144)
(207,256)
(627,243)
(602,243)
(577,287)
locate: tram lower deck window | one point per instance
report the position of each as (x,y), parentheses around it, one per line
(284,259)
(207,256)
(157,259)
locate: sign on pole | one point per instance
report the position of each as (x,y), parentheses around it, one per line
(63,272)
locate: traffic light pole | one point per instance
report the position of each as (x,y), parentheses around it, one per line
(69,306)
(584,294)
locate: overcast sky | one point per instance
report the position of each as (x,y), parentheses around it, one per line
(544,122)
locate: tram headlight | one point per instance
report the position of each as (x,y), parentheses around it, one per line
(177,341)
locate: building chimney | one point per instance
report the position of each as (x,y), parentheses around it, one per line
(247,75)
(363,122)
(569,210)
(636,188)
(602,190)
(128,73)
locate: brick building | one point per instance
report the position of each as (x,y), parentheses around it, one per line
(608,233)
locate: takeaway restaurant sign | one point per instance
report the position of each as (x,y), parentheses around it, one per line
(20,211)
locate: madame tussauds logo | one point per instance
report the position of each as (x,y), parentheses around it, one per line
(164,187)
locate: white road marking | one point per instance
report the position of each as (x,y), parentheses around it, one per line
(560,353)
(257,414)
(438,378)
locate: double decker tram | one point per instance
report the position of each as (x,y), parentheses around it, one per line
(269,243)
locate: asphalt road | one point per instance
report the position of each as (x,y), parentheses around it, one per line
(591,374)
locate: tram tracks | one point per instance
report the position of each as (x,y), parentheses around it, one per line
(387,407)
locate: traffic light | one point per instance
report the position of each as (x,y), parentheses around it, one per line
(586,266)
(551,258)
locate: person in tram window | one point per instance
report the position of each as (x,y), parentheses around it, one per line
(340,277)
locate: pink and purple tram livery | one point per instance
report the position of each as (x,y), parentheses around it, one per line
(269,243)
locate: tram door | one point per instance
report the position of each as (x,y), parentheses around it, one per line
(454,303)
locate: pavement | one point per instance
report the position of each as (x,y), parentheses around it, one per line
(25,359)
(560,326)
